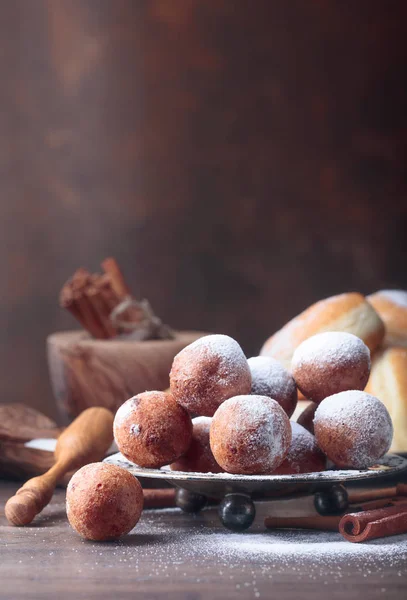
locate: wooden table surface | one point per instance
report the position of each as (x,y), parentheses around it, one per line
(178,556)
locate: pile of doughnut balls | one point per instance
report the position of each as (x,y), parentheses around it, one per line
(224,413)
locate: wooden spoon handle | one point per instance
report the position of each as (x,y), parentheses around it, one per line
(30,499)
(85,440)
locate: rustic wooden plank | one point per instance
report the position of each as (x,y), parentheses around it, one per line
(180,557)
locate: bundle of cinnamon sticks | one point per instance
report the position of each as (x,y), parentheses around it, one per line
(94,299)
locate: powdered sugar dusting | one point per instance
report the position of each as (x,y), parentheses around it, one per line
(331,348)
(207,372)
(346,406)
(259,425)
(125,410)
(397,296)
(270,378)
(135,429)
(258,553)
(274,548)
(223,346)
(316,546)
(195,552)
(365,416)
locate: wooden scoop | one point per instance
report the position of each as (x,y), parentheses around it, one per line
(86,440)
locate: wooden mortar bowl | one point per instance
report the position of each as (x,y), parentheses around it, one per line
(87,372)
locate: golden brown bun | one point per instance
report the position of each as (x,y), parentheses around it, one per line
(391,305)
(346,312)
(388,382)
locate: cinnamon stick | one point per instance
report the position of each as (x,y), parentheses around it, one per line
(365,495)
(119,285)
(159,498)
(379,503)
(73,299)
(330,523)
(103,284)
(402,489)
(67,301)
(89,316)
(101,310)
(372,524)
(132,314)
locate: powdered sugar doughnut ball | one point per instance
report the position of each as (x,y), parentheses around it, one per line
(329,363)
(152,429)
(270,378)
(304,455)
(353,428)
(250,435)
(208,372)
(103,501)
(199,455)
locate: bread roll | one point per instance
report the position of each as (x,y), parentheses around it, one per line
(391,305)
(346,312)
(388,382)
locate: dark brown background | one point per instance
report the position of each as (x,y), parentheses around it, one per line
(240,159)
